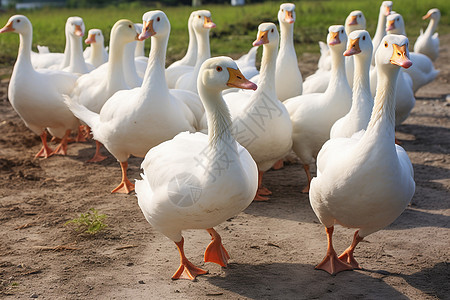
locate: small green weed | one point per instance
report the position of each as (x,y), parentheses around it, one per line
(90,222)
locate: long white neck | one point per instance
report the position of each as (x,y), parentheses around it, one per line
(154,77)
(66,60)
(431,27)
(204,51)
(191,54)
(116,78)
(267,73)
(219,122)
(77,63)
(129,62)
(287,39)
(338,77)
(140,49)
(361,97)
(381,30)
(96,57)
(24,54)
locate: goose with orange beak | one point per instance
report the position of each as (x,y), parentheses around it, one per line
(261,122)
(96,54)
(385,10)
(367,182)
(428,42)
(185,182)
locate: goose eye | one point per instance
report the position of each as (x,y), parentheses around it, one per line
(129,26)
(18,21)
(397,19)
(364,38)
(271,30)
(385,44)
(157,19)
(219,69)
(342,31)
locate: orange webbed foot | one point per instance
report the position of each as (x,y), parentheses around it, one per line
(189,271)
(348,258)
(125,187)
(333,265)
(97,156)
(259,197)
(264,191)
(216,252)
(45,152)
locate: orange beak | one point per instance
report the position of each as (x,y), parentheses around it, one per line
(147,31)
(78,31)
(353,47)
(90,39)
(390,25)
(238,80)
(334,38)
(7,28)
(387,12)
(263,38)
(399,57)
(289,17)
(209,23)
(353,20)
(426,16)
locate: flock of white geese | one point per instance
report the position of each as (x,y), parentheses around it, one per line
(208,133)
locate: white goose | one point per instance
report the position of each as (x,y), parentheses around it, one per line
(318,82)
(202,24)
(177,192)
(385,10)
(134,69)
(36,95)
(422,71)
(428,42)
(312,115)
(96,54)
(92,90)
(288,78)
(261,122)
(365,183)
(77,64)
(131,122)
(360,46)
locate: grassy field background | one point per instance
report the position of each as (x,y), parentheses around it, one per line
(236,26)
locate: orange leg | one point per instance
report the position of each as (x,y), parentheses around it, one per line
(45,151)
(62,147)
(215,252)
(83,132)
(262,191)
(186,270)
(308,174)
(331,262)
(97,156)
(125,186)
(347,255)
(278,165)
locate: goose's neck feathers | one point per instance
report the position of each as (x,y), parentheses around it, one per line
(361,85)
(381,28)
(24,55)
(267,73)
(204,51)
(77,62)
(431,28)
(115,75)
(191,53)
(154,77)
(382,120)
(66,60)
(338,77)
(287,37)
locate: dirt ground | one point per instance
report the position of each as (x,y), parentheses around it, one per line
(274,245)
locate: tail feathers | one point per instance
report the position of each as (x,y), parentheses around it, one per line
(81,112)
(248,59)
(323,47)
(144,194)
(435,35)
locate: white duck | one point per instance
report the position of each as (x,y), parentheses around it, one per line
(202,24)
(36,95)
(187,63)
(422,71)
(131,122)
(312,115)
(428,42)
(261,122)
(92,90)
(96,54)
(365,183)
(177,193)
(385,10)
(288,78)
(360,46)
(318,82)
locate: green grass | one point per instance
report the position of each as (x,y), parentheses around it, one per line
(90,222)
(236,26)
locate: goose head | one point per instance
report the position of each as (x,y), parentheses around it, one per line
(220,73)
(286,14)
(337,38)
(125,31)
(395,24)
(393,52)
(155,23)
(201,21)
(434,14)
(385,8)
(355,21)
(267,35)
(359,44)
(18,24)
(75,26)
(95,36)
